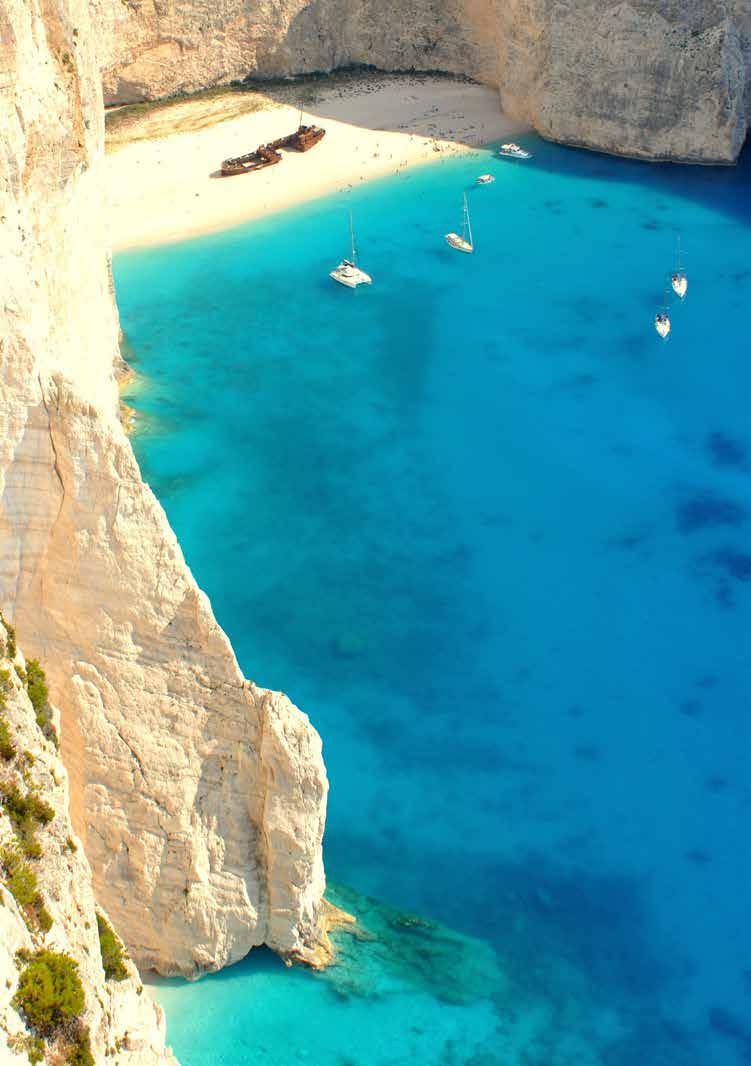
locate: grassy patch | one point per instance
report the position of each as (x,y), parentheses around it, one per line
(113,954)
(179,114)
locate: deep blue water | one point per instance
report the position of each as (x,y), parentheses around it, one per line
(492,534)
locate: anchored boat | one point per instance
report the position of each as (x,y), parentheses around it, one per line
(484,179)
(678,280)
(662,319)
(662,324)
(348,272)
(462,243)
(513,151)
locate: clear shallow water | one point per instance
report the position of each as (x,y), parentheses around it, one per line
(492,535)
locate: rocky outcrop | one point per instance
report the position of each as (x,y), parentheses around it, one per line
(159,47)
(663,80)
(200,798)
(59,914)
(660,79)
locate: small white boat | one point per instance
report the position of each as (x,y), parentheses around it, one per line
(513,151)
(679,283)
(484,179)
(463,242)
(678,280)
(662,324)
(348,272)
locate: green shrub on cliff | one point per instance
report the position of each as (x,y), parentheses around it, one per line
(27,813)
(32,1046)
(80,1054)
(50,993)
(113,955)
(7,747)
(36,686)
(21,882)
(10,637)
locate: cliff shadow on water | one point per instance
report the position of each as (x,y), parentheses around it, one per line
(488,530)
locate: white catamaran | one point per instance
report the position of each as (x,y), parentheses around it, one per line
(348,273)
(678,280)
(462,243)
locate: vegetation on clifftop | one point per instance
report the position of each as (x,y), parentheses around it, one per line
(36,686)
(10,637)
(51,998)
(113,954)
(21,882)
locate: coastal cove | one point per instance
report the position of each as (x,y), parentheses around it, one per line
(491,534)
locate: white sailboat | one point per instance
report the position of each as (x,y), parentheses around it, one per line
(662,320)
(348,273)
(678,280)
(462,243)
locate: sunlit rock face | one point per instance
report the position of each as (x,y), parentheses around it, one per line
(153,49)
(661,80)
(200,798)
(117,1013)
(652,78)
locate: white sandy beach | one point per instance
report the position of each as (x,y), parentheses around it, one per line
(167,189)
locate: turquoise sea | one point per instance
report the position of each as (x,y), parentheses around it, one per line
(492,534)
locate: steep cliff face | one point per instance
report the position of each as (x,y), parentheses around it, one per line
(47,903)
(654,78)
(200,798)
(162,46)
(663,80)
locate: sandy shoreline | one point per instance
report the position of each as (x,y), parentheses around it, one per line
(166,189)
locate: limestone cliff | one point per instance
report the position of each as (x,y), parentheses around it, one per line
(47,903)
(658,79)
(200,798)
(664,79)
(157,47)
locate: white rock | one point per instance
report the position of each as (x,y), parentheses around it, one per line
(185,778)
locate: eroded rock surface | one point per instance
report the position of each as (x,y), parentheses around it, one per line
(125,1026)
(660,79)
(199,797)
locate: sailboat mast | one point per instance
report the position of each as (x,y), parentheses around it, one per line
(467,222)
(352,238)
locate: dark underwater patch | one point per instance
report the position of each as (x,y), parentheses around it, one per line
(706,511)
(699,857)
(725,450)
(737,564)
(734,1028)
(587,753)
(626,542)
